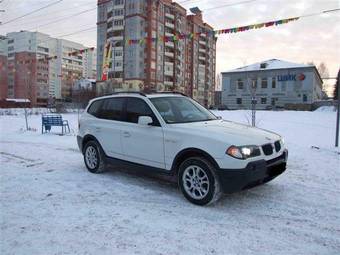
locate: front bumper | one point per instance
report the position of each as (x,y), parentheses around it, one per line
(255,173)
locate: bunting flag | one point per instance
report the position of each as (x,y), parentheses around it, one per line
(176,37)
(106,60)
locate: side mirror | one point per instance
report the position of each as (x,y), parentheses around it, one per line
(144,120)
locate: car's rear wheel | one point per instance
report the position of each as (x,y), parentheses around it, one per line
(93,157)
(198,181)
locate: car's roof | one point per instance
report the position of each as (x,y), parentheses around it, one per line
(141,95)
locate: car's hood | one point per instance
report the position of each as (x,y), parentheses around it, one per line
(232,132)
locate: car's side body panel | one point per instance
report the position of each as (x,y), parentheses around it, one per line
(143,144)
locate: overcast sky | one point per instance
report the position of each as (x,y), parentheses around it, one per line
(314,38)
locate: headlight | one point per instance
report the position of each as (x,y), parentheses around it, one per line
(243,152)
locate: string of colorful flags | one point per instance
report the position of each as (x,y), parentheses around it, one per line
(181,36)
(109,45)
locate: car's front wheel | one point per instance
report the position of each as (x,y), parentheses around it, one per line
(198,181)
(93,157)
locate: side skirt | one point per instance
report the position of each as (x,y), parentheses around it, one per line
(139,167)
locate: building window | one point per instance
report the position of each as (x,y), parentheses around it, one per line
(119,12)
(273,82)
(238,100)
(118,22)
(304,99)
(263,100)
(253,83)
(264,83)
(274,100)
(239,83)
(119,2)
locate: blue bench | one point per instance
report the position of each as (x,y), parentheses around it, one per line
(49,120)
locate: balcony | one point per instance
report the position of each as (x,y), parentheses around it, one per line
(117,38)
(169,54)
(201,58)
(203,50)
(202,42)
(167,63)
(168,83)
(119,6)
(169,44)
(169,34)
(167,24)
(115,27)
(118,17)
(169,15)
(169,72)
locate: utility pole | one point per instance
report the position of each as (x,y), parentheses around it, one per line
(338,112)
(27,83)
(253,103)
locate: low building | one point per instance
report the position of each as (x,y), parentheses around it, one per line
(273,84)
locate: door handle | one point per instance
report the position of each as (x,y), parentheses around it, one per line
(98,129)
(126,134)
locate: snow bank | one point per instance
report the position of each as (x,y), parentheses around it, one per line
(326,109)
(50,204)
(30,111)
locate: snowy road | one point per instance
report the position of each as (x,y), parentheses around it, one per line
(50,204)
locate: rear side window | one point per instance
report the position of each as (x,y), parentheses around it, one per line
(137,107)
(94,108)
(112,108)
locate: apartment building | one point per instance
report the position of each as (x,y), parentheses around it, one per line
(27,75)
(3,67)
(42,79)
(182,64)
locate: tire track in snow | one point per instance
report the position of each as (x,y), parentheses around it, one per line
(28,162)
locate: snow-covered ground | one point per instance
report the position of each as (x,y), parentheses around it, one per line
(50,204)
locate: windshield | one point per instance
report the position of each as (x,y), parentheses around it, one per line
(181,110)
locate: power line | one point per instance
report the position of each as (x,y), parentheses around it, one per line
(49,15)
(227,5)
(66,17)
(31,12)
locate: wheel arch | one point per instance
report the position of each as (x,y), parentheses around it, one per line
(88,138)
(191,152)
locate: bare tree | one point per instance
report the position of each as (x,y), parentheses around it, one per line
(323,70)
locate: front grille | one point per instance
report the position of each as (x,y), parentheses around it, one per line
(277,159)
(277,146)
(267,149)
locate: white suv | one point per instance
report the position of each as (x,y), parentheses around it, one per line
(173,134)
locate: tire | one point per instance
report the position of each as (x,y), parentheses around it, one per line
(198,182)
(93,157)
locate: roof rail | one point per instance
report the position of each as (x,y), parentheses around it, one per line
(169,92)
(129,92)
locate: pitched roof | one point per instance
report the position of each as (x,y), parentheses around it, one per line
(269,65)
